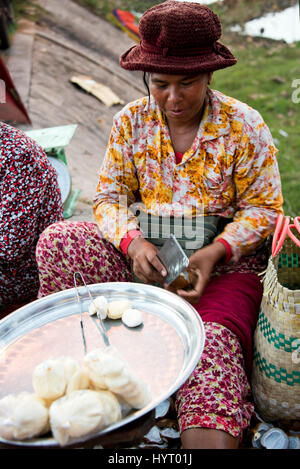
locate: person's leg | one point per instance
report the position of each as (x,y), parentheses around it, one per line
(68,247)
(214,405)
(207,438)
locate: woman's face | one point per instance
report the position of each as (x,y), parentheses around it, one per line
(180,97)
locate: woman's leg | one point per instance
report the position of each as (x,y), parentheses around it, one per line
(68,247)
(207,438)
(214,405)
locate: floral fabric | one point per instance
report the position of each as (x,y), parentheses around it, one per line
(217,395)
(30,200)
(230,170)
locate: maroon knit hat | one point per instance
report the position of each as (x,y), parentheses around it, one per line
(178,38)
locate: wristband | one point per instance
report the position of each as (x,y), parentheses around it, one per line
(228,250)
(126,240)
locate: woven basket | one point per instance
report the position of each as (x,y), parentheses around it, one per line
(276,361)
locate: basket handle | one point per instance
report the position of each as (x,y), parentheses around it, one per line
(280,233)
(295,225)
(284,227)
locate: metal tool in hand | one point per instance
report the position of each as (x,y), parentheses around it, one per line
(173,258)
(100,326)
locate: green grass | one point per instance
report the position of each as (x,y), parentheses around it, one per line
(263,79)
(26,9)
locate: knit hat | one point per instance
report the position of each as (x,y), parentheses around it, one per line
(178,38)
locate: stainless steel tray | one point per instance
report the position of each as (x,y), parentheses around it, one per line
(164,350)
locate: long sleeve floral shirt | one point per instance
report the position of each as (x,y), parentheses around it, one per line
(230,170)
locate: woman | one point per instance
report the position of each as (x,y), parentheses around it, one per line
(30,200)
(185,151)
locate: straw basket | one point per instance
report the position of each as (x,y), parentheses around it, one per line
(276,363)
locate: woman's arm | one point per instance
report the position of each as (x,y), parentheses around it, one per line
(258,202)
(257,184)
(146,265)
(116,191)
(117,187)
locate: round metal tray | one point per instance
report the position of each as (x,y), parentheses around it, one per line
(164,350)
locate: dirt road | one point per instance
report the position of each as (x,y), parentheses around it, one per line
(68,41)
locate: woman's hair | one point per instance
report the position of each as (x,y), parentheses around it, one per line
(146,76)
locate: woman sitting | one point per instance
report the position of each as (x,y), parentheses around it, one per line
(185,151)
(30,200)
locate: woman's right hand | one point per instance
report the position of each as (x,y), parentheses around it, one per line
(146,265)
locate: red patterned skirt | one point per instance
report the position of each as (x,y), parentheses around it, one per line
(217,395)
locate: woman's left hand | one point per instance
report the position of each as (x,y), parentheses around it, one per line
(200,267)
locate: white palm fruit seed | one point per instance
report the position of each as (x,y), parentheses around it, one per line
(132,317)
(117,308)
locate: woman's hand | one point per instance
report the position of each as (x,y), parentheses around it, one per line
(146,265)
(201,264)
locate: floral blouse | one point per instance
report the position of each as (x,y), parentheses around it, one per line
(30,200)
(230,170)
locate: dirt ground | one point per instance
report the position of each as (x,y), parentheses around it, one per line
(69,40)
